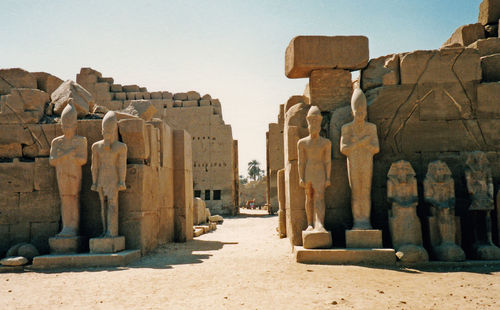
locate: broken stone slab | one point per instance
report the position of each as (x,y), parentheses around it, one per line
(307,53)
(14,261)
(491,68)
(131,88)
(487,47)
(70,91)
(330,88)
(47,82)
(489,12)
(466,34)
(440,66)
(140,108)
(381,71)
(15,78)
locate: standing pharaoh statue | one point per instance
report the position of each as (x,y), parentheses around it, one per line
(109,167)
(439,191)
(480,187)
(314,161)
(404,224)
(359,142)
(68,153)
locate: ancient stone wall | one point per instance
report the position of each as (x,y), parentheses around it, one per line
(212,141)
(274,158)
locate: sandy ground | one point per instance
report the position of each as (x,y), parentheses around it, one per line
(244,265)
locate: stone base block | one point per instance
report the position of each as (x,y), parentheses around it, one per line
(487,252)
(411,253)
(316,239)
(449,253)
(86,260)
(107,244)
(363,239)
(8,269)
(383,257)
(66,245)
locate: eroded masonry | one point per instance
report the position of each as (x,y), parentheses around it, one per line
(431,121)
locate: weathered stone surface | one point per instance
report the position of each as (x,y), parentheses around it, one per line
(466,35)
(330,88)
(156,95)
(116,88)
(380,72)
(488,105)
(307,53)
(282,203)
(47,82)
(66,245)
(486,47)
(382,257)
(206,97)
(180,96)
(199,215)
(190,103)
(491,68)
(28,251)
(316,239)
(17,176)
(363,239)
(120,96)
(141,108)
(489,12)
(193,95)
(131,88)
(204,102)
(166,95)
(491,30)
(71,91)
(22,106)
(441,66)
(11,150)
(40,206)
(107,244)
(134,134)
(293,100)
(15,78)
(216,219)
(86,260)
(14,261)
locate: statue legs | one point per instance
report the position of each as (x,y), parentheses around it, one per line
(70,213)
(109,215)
(360,200)
(309,206)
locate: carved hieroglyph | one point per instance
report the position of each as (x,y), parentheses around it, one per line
(109,167)
(314,170)
(68,153)
(359,142)
(439,191)
(406,231)
(480,187)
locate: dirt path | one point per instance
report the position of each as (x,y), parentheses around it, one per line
(244,265)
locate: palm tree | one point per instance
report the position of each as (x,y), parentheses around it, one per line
(254,170)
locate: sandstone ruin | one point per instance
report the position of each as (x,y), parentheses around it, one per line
(427,105)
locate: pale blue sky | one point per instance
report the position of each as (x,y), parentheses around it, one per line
(233,50)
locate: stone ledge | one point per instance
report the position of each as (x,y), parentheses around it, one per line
(85,260)
(6,269)
(440,264)
(384,257)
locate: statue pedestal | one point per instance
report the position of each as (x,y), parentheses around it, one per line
(363,239)
(316,239)
(487,252)
(65,245)
(107,244)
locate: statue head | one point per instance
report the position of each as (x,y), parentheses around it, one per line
(476,160)
(68,120)
(358,105)
(314,119)
(401,171)
(110,127)
(438,171)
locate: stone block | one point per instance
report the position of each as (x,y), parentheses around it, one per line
(190,103)
(15,78)
(466,34)
(307,53)
(116,88)
(180,96)
(40,206)
(487,46)
(11,150)
(193,95)
(14,261)
(22,105)
(146,95)
(446,65)
(489,12)
(384,102)
(17,176)
(120,96)
(488,105)
(134,134)
(316,239)
(9,207)
(66,245)
(15,133)
(215,102)
(141,108)
(183,186)
(131,88)
(19,232)
(47,82)
(156,95)
(491,68)
(292,137)
(381,71)
(363,239)
(107,244)
(295,204)
(70,91)
(41,139)
(40,234)
(139,96)
(204,102)
(115,105)
(166,95)
(86,260)
(177,103)
(131,95)
(490,129)
(206,97)
(382,257)
(446,101)
(199,207)
(330,88)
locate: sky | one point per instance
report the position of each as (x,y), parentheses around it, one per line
(233,50)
